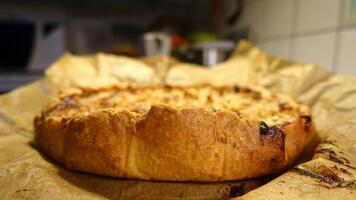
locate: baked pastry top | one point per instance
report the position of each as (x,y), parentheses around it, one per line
(250,104)
(175,133)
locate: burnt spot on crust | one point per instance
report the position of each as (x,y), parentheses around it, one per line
(275,136)
(331,155)
(209,99)
(64,120)
(236,89)
(23,190)
(275,132)
(326,176)
(283,106)
(237,190)
(270,132)
(246,90)
(222,140)
(256,95)
(168,87)
(264,129)
(221,90)
(308,122)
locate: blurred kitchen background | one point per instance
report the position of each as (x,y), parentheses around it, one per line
(34,33)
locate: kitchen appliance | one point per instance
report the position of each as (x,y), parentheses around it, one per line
(156,44)
(209,53)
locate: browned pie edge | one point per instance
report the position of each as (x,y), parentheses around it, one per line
(172,144)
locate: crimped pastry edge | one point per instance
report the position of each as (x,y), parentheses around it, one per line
(171,144)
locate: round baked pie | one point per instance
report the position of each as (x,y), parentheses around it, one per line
(174,133)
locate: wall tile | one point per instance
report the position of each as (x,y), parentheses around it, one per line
(279,18)
(278,47)
(346,60)
(348,12)
(316,14)
(316,49)
(253,17)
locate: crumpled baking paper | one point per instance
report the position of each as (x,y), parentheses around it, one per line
(327,172)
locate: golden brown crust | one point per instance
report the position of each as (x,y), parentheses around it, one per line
(171,143)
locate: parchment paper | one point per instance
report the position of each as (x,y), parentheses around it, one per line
(26,173)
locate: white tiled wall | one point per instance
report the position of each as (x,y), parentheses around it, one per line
(278,47)
(313,31)
(316,14)
(278,19)
(318,48)
(346,60)
(253,17)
